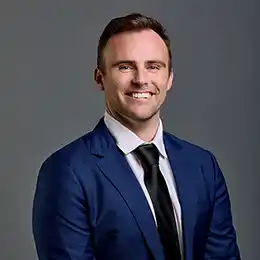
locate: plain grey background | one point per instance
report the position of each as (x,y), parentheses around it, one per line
(48,96)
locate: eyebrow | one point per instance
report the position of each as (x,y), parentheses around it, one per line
(162,63)
(115,64)
(132,62)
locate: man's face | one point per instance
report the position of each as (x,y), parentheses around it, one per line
(136,77)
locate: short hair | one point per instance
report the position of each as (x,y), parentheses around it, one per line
(130,22)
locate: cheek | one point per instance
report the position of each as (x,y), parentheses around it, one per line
(114,90)
(120,81)
(162,84)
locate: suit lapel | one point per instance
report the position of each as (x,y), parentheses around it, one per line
(116,168)
(186,189)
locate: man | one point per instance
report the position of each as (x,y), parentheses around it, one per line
(129,190)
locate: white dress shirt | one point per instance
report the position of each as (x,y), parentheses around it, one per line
(127,141)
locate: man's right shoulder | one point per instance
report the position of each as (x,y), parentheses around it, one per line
(74,152)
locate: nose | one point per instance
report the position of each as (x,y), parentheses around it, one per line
(140,77)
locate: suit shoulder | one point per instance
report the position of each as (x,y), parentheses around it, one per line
(198,157)
(71,152)
(188,147)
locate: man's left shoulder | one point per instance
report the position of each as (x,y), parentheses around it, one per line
(194,159)
(188,150)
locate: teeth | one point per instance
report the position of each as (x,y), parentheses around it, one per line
(141,95)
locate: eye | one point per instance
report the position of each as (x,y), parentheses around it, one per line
(154,67)
(125,67)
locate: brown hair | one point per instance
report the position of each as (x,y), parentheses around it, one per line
(131,22)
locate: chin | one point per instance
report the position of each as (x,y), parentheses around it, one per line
(142,117)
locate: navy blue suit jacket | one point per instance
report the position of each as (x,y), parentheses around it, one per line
(88,204)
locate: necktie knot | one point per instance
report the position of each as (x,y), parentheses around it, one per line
(148,154)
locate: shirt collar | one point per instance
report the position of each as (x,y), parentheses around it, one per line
(127,140)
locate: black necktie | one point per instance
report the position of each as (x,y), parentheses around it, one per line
(157,188)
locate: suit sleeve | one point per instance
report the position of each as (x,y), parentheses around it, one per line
(60,223)
(221,241)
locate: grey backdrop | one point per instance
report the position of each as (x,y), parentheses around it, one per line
(48,96)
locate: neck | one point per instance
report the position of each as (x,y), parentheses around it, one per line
(144,129)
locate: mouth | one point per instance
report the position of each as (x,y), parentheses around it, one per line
(140,95)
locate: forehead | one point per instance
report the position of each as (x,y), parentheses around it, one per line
(138,45)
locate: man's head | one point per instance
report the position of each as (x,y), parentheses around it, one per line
(134,67)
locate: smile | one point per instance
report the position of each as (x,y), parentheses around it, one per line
(138,95)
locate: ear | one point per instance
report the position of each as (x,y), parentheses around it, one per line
(170,80)
(98,76)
